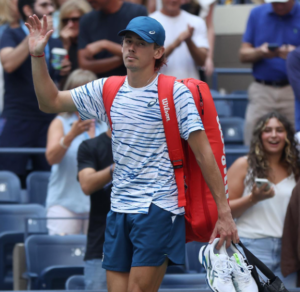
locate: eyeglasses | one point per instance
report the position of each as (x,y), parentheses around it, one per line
(73,19)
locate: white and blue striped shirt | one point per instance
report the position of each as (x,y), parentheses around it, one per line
(143,172)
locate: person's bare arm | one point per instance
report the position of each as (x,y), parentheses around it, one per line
(13,58)
(225,225)
(209,63)
(98,66)
(249,54)
(49,98)
(236,177)
(96,47)
(198,54)
(92,180)
(55,151)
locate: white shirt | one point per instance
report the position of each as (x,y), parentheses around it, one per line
(180,63)
(205,4)
(266,218)
(143,172)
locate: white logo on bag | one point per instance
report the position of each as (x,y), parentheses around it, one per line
(166,108)
(152,32)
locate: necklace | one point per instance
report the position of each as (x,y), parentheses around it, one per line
(147,82)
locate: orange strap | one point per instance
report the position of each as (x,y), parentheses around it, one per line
(168,113)
(110,90)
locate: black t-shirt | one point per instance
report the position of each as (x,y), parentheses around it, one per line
(19,97)
(97,25)
(73,56)
(96,153)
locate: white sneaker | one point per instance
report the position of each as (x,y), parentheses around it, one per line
(218,267)
(242,278)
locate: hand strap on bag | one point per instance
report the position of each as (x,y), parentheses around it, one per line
(168,113)
(110,90)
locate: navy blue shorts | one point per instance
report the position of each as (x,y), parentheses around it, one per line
(135,240)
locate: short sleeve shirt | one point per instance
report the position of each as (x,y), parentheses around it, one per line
(97,25)
(181,63)
(265,26)
(96,153)
(19,96)
(143,173)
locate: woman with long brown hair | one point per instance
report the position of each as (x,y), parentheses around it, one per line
(260,210)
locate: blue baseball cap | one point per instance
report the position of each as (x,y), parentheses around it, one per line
(149,29)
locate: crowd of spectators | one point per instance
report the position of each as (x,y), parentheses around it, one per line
(88,30)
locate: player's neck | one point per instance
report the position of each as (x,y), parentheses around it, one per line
(139,79)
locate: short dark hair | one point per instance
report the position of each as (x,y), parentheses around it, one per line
(161,61)
(22,3)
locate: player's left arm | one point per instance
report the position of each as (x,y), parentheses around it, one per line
(225,225)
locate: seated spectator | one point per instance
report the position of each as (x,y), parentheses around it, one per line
(9,17)
(22,123)
(186,40)
(58,4)
(260,211)
(99,44)
(95,168)
(272,32)
(65,197)
(293,71)
(70,14)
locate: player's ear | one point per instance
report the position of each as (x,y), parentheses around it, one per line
(159,51)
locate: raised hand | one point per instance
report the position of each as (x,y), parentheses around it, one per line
(39,35)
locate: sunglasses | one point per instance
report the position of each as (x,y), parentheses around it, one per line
(73,19)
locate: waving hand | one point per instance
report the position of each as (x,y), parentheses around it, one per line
(39,35)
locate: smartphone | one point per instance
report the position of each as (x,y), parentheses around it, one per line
(261,181)
(273,47)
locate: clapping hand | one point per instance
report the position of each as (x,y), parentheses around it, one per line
(39,35)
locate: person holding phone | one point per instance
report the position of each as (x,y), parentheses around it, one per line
(273,31)
(260,186)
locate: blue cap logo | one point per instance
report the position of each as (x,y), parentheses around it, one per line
(149,29)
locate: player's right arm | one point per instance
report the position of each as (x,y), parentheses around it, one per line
(50,99)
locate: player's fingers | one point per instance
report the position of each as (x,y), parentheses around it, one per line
(221,242)
(48,35)
(29,27)
(213,235)
(37,22)
(229,239)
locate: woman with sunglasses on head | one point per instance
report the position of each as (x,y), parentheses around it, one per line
(70,14)
(259,206)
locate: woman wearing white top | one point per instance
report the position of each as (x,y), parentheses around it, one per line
(260,211)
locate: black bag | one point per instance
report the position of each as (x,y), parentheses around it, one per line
(274,284)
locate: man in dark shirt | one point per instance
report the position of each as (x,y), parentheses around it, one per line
(99,44)
(22,124)
(95,174)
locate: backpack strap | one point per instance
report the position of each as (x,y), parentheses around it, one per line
(168,113)
(110,90)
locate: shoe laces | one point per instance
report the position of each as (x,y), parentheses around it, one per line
(242,271)
(223,267)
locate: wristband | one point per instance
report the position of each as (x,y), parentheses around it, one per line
(40,56)
(111,170)
(62,144)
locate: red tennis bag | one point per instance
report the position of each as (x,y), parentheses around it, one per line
(201,211)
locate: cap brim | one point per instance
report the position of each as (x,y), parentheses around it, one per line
(145,37)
